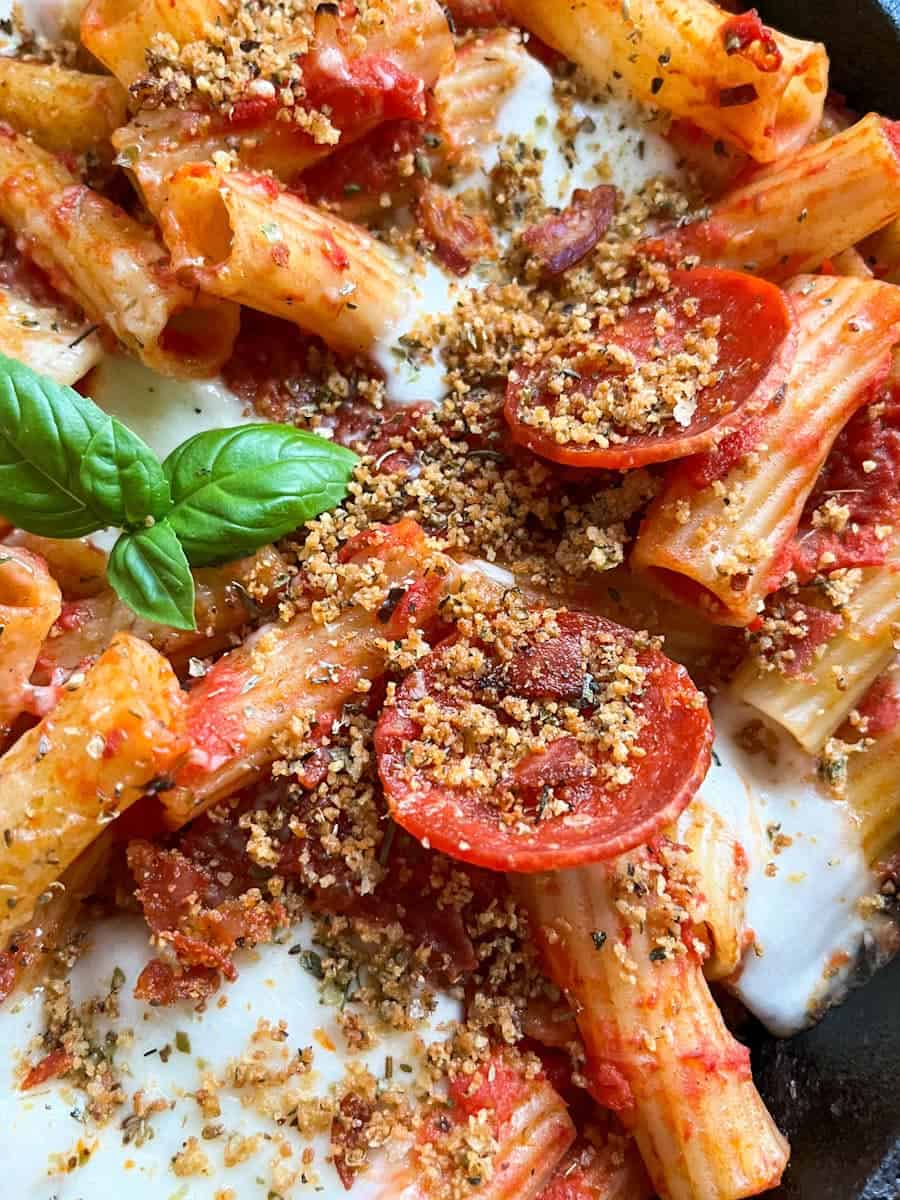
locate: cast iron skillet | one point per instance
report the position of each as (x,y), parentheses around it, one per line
(863,39)
(835,1090)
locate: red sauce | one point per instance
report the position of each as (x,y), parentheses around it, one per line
(159,983)
(821,626)
(336,255)
(22,276)
(498,1088)
(56,1063)
(609,1086)
(746,36)
(362,91)
(215,729)
(881,706)
(282,373)
(872,495)
(368,167)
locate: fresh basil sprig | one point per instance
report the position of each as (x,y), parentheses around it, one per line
(149,570)
(68,469)
(251,485)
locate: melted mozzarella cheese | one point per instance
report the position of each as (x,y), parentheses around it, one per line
(163,411)
(47,1123)
(803,900)
(614,145)
(51,19)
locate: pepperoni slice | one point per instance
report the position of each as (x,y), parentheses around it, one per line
(551,739)
(658,387)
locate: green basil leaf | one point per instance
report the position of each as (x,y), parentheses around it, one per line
(54,479)
(236,489)
(122,477)
(148,570)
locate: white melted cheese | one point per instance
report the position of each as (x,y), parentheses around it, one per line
(163,411)
(50,19)
(802,902)
(273,985)
(614,145)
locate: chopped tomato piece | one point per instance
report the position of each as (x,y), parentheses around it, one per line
(562,738)
(362,92)
(560,240)
(880,706)
(819,626)
(660,388)
(185,905)
(54,1064)
(745,35)
(161,984)
(349,1144)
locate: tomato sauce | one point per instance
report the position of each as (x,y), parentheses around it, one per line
(862,474)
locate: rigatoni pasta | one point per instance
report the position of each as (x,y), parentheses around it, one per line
(657,1048)
(30,602)
(291,679)
(119,32)
(807,207)
(812,701)
(468,99)
(222,607)
(409,36)
(732,76)
(873,779)
(110,264)
(718,542)
(81,766)
(60,108)
(241,237)
(46,338)
(720,865)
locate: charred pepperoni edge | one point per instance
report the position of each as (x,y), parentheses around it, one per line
(444,817)
(643,449)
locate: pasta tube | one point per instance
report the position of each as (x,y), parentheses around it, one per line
(109,264)
(289,680)
(25,961)
(62,110)
(468,98)
(530,1126)
(240,236)
(159,141)
(46,339)
(227,598)
(658,1049)
(30,602)
(81,766)
(602,1165)
(807,207)
(811,703)
(720,866)
(882,252)
(731,76)
(410,36)
(119,32)
(77,565)
(720,544)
